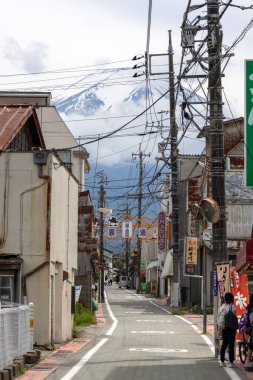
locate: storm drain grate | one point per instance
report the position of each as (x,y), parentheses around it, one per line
(62,353)
(44,368)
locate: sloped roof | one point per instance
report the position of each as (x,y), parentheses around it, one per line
(13,118)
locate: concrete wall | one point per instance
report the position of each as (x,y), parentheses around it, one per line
(57,135)
(26,202)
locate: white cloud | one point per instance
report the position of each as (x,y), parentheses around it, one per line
(30,59)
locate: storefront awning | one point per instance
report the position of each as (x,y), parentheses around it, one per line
(244,259)
(168,265)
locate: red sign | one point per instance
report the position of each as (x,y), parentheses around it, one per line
(161,233)
(239,289)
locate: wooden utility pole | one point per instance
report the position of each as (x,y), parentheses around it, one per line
(216,136)
(101,235)
(138,258)
(127,247)
(216,130)
(174,181)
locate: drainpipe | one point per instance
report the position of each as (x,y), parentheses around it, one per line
(46,178)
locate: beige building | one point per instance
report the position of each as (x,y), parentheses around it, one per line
(41,231)
(39,224)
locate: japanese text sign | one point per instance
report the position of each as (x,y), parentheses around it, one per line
(223,277)
(248,133)
(191,255)
(161,224)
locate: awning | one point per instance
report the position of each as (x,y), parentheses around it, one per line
(153,264)
(244,259)
(168,265)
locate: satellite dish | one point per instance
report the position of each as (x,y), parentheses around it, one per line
(210,209)
(208,237)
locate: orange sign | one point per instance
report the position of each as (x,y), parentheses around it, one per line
(239,289)
(191,257)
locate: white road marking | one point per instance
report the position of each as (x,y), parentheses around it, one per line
(153,332)
(157,349)
(230,371)
(76,368)
(232,374)
(206,339)
(139,312)
(152,320)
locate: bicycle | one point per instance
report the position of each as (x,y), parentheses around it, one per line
(243,346)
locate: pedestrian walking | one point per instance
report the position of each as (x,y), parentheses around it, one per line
(248,328)
(227,326)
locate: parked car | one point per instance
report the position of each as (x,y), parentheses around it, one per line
(123,281)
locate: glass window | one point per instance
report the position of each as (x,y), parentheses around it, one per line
(6,288)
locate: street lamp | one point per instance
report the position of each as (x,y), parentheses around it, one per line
(102,210)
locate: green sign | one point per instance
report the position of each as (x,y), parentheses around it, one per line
(142,266)
(248,133)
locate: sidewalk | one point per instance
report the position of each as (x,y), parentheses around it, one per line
(51,360)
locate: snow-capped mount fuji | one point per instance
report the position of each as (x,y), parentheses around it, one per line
(116,92)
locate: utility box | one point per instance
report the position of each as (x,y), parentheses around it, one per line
(40,157)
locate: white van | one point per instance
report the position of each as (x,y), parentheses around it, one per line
(123,281)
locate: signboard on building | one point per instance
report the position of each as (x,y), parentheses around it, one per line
(223,278)
(161,226)
(78,289)
(248,123)
(191,255)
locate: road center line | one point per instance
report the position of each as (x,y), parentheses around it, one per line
(158,350)
(148,332)
(152,320)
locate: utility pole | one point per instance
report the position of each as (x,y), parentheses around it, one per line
(101,235)
(216,135)
(216,130)
(174,181)
(127,247)
(138,258)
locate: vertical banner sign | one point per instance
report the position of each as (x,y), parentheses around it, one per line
(223,277)
(215,283)
(142,234)
(191,255)
(248,123)
(161,224)
(127,229)
(239,289)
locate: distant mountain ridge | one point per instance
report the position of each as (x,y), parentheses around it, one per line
(105,95)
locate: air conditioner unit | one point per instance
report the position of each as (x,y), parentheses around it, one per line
(40,157)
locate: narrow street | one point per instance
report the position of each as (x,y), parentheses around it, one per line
(143,341)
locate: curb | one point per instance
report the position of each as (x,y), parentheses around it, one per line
(55,359)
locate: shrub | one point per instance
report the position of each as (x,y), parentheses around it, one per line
(83,316)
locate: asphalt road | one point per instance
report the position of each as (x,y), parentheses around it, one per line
(141,341)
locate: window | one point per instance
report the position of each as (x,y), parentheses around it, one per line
(20,142)
(6,288)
